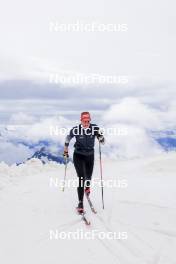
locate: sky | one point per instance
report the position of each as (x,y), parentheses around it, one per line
(30,52)
(35,58)
(29,48)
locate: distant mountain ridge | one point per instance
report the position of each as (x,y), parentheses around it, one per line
(45,156)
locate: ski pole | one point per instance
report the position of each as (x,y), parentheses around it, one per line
(101,173)
(63,188)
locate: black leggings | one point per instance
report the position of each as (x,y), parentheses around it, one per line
(84,169)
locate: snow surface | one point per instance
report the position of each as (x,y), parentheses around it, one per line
(146,210)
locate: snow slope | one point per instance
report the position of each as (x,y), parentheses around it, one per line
(31,207)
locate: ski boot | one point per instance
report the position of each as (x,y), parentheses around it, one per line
(80,208)
(87,191)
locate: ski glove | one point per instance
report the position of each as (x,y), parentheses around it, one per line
(101,139)
(65,154)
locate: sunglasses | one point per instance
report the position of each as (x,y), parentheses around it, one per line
(86,121)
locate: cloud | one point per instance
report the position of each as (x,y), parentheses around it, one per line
(123,52)
(134,143)
(22,118)
(48,99)
(133,111)
(135,123)
(131,120)
(13,153)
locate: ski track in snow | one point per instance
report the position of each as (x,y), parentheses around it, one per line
(30,208)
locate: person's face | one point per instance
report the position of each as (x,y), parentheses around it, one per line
(85,123)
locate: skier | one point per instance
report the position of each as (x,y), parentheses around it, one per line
(83,157)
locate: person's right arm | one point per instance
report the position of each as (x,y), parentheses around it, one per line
(67,141)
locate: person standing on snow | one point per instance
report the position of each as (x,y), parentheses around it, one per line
(83,156)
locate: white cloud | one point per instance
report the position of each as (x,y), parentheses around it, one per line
(135,143)
(21,118)
(138,120)
(132,111)
(13,153)
(36,49)
(48,128)
(131,115)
